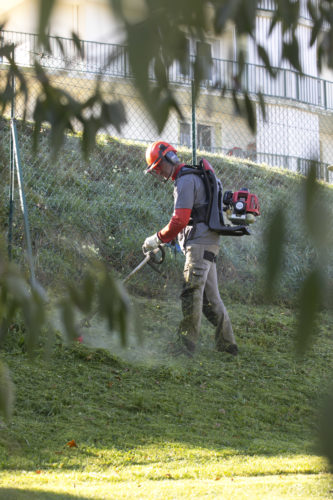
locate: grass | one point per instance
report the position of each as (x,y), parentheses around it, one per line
(106,207)
(150,426)
(146,425)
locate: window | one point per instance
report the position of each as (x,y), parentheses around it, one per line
(185,134)
(204,137)
(184,68)
(204,55)
(203,52)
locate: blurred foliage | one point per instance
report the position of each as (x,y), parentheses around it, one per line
(315,285)
(314,290)
(156,34)
(326,428)
(98,293)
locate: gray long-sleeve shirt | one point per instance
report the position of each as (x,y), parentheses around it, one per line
(190,192)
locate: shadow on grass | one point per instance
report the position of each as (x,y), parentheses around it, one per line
(263,403)
(18,494)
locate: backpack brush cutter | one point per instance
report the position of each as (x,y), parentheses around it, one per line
(241,207)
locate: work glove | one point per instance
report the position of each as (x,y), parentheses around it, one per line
(151,243)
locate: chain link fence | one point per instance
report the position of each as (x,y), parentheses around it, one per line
(103,207)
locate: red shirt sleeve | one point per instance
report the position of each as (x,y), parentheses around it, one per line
(178,221)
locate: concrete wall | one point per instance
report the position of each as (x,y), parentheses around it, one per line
(288,132)
(90,19)
(19,15)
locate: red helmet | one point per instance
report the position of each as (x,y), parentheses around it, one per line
(156,152)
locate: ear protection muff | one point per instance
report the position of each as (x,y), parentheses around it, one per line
(172,157)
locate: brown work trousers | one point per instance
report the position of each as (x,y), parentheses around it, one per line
(201,294)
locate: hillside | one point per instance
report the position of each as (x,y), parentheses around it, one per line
(105,207)
(98,421)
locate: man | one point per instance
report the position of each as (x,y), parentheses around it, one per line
(200,246)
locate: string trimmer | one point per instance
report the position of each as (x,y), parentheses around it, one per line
(151,259)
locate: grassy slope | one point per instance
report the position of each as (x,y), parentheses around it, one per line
(107,207)
(152,427)
(149,426)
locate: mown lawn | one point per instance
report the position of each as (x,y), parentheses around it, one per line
(136,423)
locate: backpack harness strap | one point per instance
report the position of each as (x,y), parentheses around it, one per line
(201,213)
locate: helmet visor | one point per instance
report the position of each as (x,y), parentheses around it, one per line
(154,167)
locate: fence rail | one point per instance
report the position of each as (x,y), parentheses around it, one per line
(269,5)
(293,137)
(103,206)
(112,60)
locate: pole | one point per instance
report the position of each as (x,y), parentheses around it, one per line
(11,173)
(17,160)
(194,127)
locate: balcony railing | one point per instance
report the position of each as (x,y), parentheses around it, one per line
(93,57)
(269,5)
(112,60)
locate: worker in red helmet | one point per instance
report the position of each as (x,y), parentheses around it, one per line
(199,244)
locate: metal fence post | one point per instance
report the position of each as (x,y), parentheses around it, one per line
(17,161)
(194,126)
(11,174)
(325,95)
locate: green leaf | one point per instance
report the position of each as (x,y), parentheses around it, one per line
(160,71)
(68,320)
(235,99)
(113,113)
(250,112)
(310,302)
(45,9)
(34,318)
(276,235)
(7,392)
(262,105)
(274,22)
(113,305)
(290,52)
(82,296)
(265,58)
(288,12)
(7,51)
(316,29)
(245,17)
(326,429)
(312,10)
(61,46)
(78,44)
(224,13)
(313,205)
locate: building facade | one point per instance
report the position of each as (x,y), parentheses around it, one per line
(297,129)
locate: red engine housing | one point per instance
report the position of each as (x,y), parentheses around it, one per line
(250,200)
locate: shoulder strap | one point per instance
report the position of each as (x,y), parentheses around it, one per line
(209,179)
(191,170)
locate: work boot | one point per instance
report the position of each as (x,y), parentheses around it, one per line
(232,349)
(182,346)
(229,348)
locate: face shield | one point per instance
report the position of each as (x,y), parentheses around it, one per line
(155,167)
(155,172)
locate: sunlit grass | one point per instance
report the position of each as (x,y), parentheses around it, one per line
(149,426)
(101,486)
